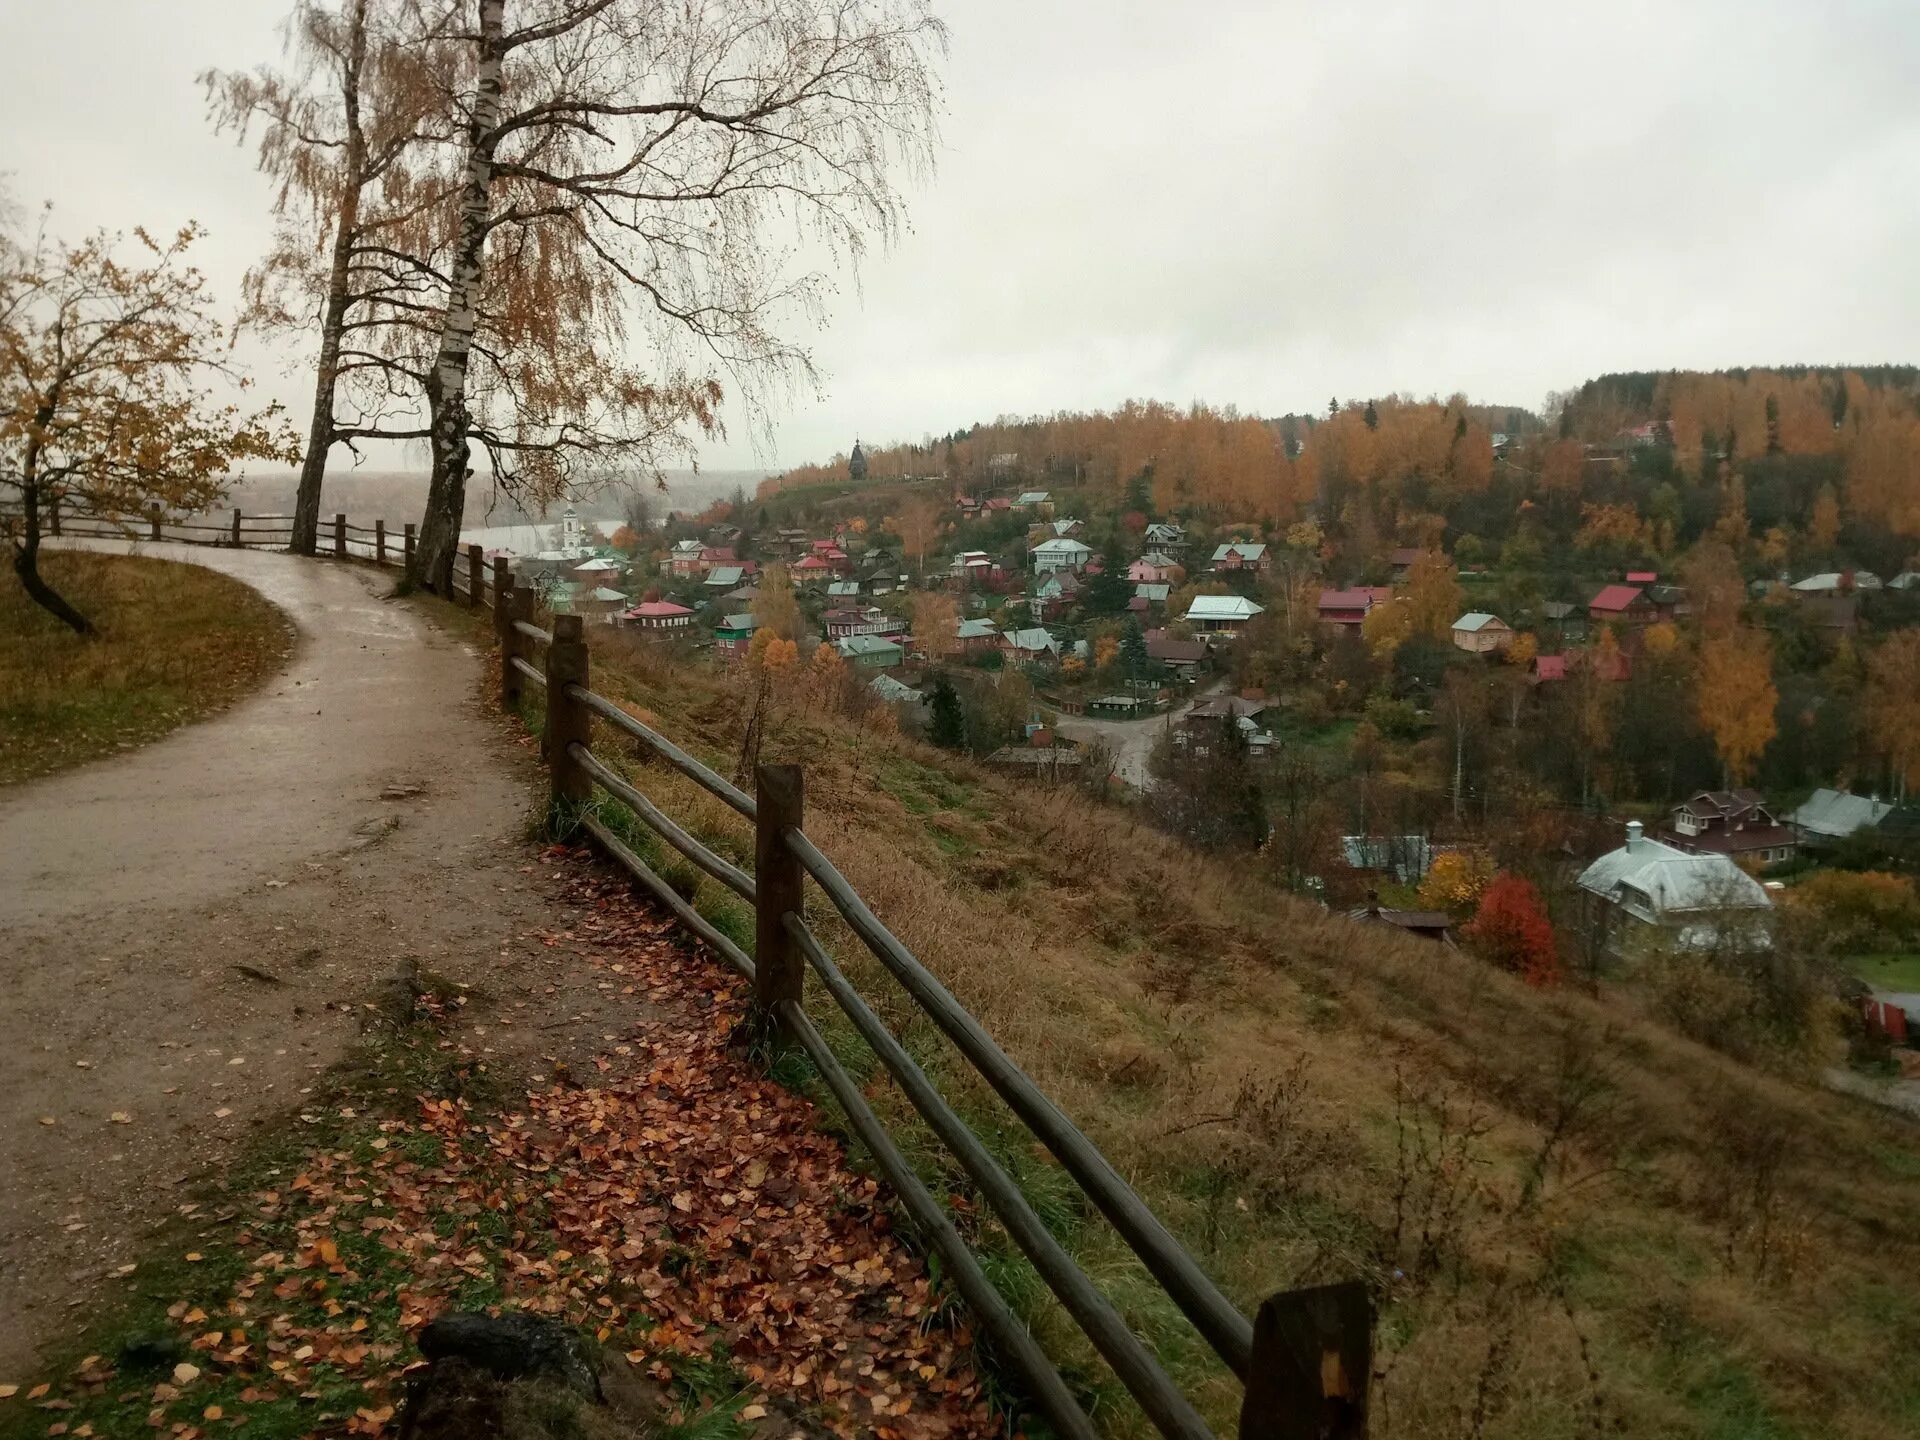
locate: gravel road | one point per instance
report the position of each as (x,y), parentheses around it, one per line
(189,931)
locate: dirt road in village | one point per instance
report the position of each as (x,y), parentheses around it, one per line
(188,932)
(1132,740)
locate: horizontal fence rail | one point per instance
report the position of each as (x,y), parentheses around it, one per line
(338,537)
(1303,1365)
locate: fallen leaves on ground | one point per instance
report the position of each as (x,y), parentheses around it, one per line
(682,1208)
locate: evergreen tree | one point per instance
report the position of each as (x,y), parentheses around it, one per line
(1133,650)
(1108,592)
(1140,491)
(1333,408)
(1372,417)
(947,723)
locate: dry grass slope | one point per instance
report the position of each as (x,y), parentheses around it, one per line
(176,642)
(1577,1222)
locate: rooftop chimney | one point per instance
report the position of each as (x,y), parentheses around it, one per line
(1634,829)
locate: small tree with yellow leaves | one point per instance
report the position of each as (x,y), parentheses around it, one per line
(104,362)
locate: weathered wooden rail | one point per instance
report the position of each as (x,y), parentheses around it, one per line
(340,539)
(1306,1361)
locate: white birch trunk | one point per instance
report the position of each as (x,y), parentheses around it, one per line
(447,384)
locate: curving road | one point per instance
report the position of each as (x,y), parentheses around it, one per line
(188,931)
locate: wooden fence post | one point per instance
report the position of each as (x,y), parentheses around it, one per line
(780,885)
(513,645)
(568,721)
(236,527)
(1312,1361)
(502,582)
(153,519)
(406,549)
(474,566)
(380,542)
(339,537)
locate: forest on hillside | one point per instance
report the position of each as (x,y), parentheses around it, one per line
(1788,466)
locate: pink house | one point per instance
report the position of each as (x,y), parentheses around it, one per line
(1150,570)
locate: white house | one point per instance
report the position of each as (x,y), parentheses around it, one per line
(1221,614)
(1704,902)
(1060,555)
(1837,582)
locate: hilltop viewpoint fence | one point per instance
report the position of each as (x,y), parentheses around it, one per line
(1305,1360)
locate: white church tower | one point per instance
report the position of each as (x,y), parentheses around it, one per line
(573,535)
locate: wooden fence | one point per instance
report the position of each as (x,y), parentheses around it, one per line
(340,539)
(1305,1360)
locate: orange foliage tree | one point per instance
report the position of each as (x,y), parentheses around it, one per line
(1736,697)
(1893,703)
(104,357)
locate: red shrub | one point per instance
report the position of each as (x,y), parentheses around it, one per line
(1512,930)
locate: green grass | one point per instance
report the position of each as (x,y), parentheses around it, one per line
(1890,972)
(174,642)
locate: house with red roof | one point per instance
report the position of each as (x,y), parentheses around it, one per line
(1545,669)
(1350,607)
(660,617)
(1643,577)
(1734,823)
(1622,604)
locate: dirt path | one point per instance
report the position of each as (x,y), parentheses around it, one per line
(189,931)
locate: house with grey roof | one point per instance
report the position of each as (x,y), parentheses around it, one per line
(872,652)
(1221,614)
(1060,555)
(1645,890)
(1477,632)
(1830,815)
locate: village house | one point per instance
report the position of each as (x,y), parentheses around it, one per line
(1404,559)
(683,561)
(894,692)
(1406,858)
(1621,604)
(1032,645)
(1149,599)
(1478,633)
(975,637)
(1836,582)
(1221,614)
(1546,669)
(839,590)
(1151,569)
(658,617)
(723,578)
(1166,538)
(724,534)
(870,652)
(1065,529)
(1829,816)
(1350,607)
(1422,924)
(1040,501)
(810,570)
(974,565)
(1669,602)
(1643,577)
(1053,555)
(1182,656)
(967,506)
(1905,580)
(600,603)
(597,571)
(1697,901)
(1734,823)
(1240,555)
(733,637)
(1565,621)
(870,621)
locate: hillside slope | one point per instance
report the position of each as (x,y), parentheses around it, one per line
(1576,1222)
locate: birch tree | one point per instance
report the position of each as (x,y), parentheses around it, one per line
(106,365)
(351,132)
(674,175)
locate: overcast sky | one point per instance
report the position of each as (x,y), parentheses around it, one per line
(1252,204)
